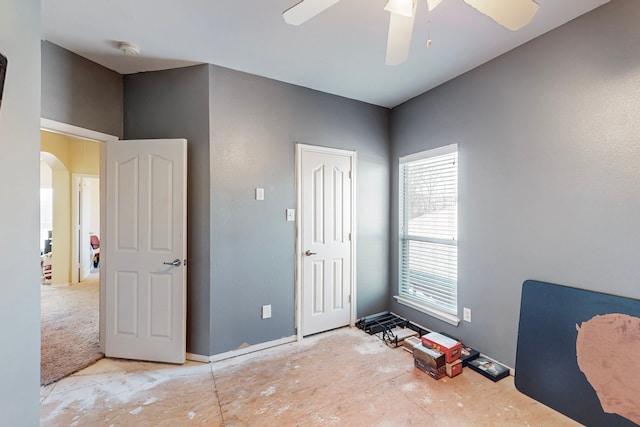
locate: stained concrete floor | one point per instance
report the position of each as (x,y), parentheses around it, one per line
(342,377)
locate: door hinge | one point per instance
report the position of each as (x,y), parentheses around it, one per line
(349,236)
(349,299)
(349,174)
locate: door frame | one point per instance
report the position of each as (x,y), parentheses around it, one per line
(300,148)
(76,221)
(102,138)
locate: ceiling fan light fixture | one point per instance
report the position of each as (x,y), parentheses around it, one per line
(129,48)
(401,7)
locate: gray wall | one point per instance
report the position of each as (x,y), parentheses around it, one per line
(175,104)
(255,125)
(549,146)
(19,187)
(242,131)
(80,92)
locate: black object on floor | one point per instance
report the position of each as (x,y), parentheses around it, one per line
(380,322)
(490,369)
(384,323)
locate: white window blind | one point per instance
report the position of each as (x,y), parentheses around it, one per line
(429,228)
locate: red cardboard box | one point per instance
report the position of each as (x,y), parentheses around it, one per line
(454,368)
(450,347)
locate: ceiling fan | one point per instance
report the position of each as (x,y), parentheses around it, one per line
(512,14)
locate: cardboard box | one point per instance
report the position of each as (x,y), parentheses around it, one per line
(454,368)
(403,333)
(450,347)
(429,356)
(435,373)
(410,343)
(467,354)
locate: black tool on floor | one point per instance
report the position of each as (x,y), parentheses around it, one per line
(384,323)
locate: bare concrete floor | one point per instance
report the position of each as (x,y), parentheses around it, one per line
(343,377)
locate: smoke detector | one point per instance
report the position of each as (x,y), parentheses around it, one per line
(129,48)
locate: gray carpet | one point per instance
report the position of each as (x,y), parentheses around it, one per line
(69,329)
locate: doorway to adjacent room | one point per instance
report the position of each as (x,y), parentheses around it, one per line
(70,273)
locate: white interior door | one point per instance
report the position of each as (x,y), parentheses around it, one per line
(326,238)
(86,220)
(84,226)
(145,250)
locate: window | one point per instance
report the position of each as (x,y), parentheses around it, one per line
(429,232)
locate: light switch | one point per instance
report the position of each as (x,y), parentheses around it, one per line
(291,214)
(259,193)
(266,311)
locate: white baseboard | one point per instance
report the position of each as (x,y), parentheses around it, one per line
(241,351)
(198,358)
(59,285)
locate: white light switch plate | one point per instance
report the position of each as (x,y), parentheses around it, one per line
(259,193)
(291,214)
(266,311)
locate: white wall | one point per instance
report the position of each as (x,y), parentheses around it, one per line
(19,187)
(45,175)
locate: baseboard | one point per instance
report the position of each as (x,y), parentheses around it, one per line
(241,351)
(59,285)
(198,358)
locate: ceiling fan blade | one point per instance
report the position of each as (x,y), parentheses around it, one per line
(399,38)
(513,14)
(305,10)
(431,4)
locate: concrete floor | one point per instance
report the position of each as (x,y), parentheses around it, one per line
(343,377)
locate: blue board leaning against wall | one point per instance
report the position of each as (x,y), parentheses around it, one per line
(576,353)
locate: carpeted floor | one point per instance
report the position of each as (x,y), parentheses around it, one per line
(69,328)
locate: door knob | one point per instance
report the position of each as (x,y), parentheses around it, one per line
(176,263)
(309,253)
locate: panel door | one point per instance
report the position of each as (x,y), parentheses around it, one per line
(146,250)
(326,239)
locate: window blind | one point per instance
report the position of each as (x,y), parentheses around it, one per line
(429,228)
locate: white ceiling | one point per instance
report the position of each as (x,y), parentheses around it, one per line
(341,51)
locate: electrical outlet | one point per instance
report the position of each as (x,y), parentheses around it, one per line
(266,311)
(466,314)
